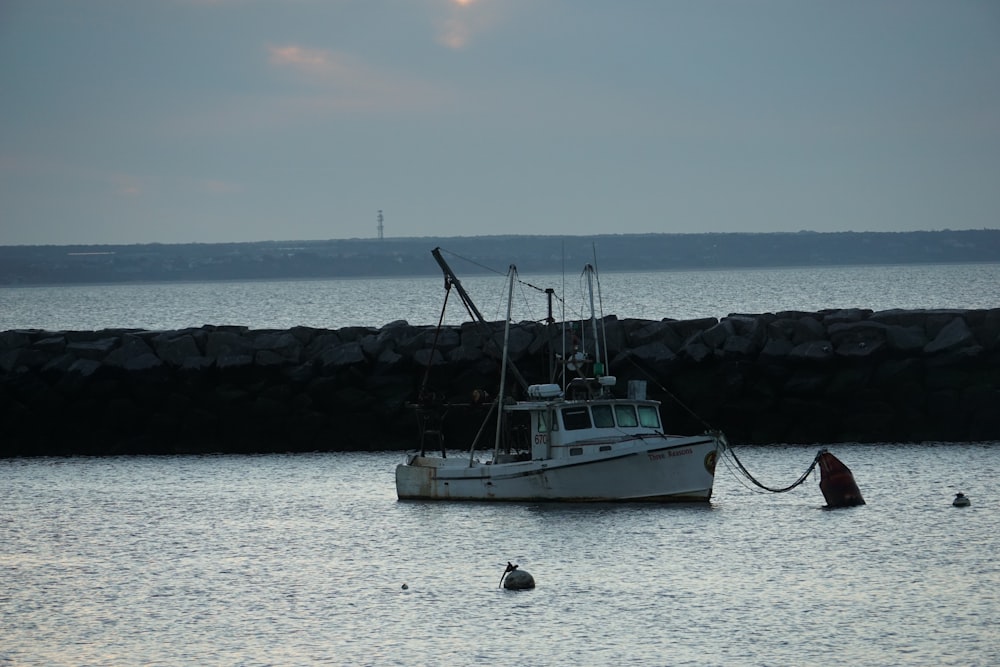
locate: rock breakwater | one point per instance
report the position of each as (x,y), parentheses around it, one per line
(808,377)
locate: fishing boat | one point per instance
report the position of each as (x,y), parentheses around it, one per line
(574,441)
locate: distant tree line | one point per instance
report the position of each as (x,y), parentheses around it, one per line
(51,264)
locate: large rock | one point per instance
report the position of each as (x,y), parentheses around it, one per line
(174,350)
(226,344)
(655,332)
(855,339)
(347,354)
(905,339)
(96,350)
(950,337)
(648,356)
(278,343)
(685,329)
(133,355)
(813,351)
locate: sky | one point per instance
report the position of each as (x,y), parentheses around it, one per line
(176,121)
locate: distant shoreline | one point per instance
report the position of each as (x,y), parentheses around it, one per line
(198,281)
(29,266)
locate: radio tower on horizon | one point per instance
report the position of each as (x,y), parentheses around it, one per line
(380,226)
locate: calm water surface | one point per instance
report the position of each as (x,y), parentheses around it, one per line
(300,560)
(377,301)
(282,560)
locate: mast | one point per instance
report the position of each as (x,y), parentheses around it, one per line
(503,364)
(600,307)
(549,332)
(598,366)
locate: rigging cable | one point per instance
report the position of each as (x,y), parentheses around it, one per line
(492,270)
(682,404)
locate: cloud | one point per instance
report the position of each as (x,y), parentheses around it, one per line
(312,60)
(126,186)
(340,81)
(57,172)
(464,20)
(453,33)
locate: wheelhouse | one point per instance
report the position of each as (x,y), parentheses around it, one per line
(557,429)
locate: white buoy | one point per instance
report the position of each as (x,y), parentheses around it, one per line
(961,500)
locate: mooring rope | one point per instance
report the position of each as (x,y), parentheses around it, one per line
(755,482)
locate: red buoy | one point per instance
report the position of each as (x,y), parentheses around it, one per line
(837,483)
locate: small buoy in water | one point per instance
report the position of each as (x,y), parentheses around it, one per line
(519,580)
(837,482)
(961,500)
(514,579)
(405,587)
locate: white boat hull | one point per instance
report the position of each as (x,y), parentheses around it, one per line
(662,469)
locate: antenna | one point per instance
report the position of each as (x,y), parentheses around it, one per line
(380,226)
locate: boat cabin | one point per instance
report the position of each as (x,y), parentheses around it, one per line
(558,428)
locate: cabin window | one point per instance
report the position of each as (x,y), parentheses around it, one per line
(602,416)
(543,422)
(649,416)
(576,418)
(575,451)
(625,414)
